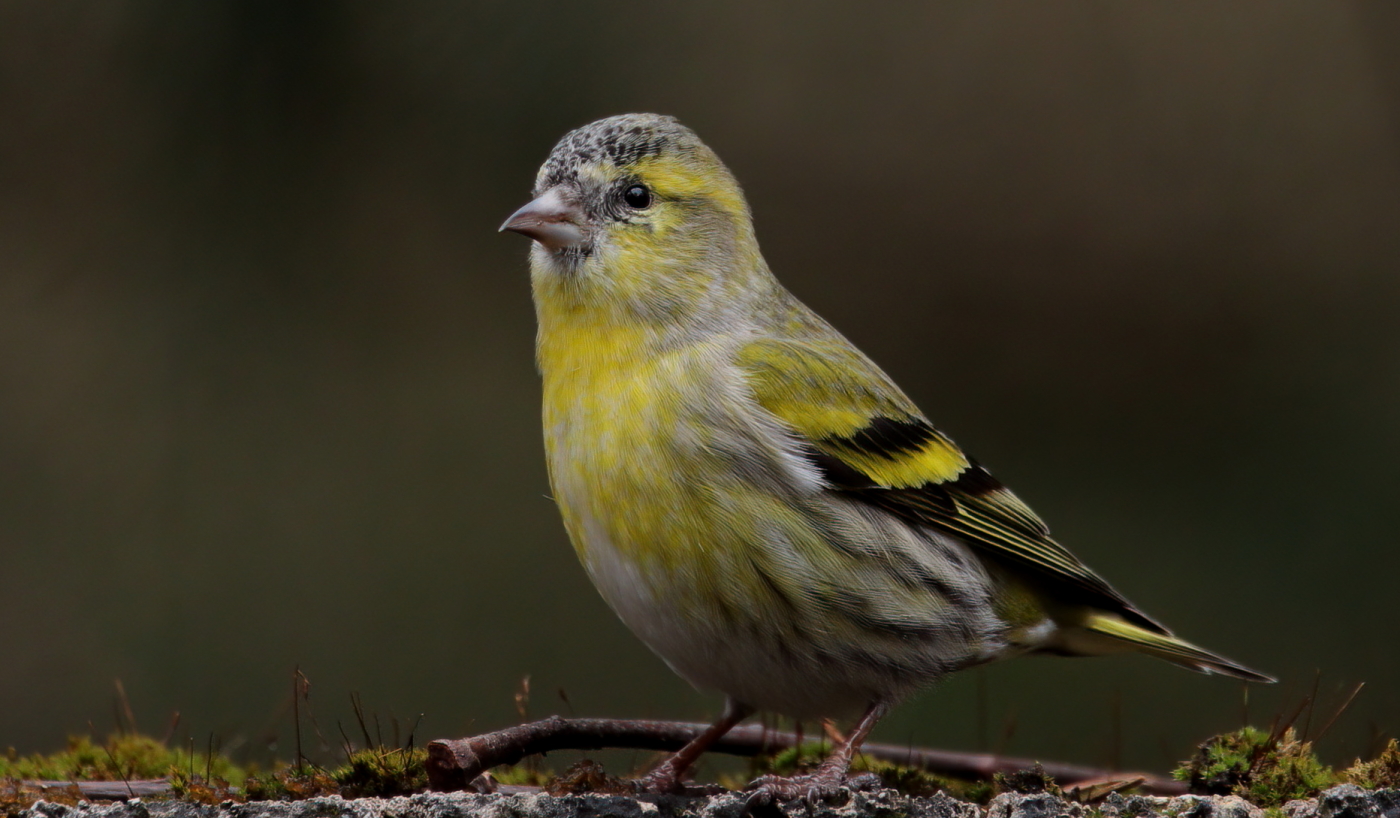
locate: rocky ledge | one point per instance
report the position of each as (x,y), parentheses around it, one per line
(1347,801)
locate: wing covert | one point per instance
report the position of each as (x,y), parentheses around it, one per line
(872,442)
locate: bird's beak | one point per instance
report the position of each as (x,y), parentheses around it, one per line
(549,220)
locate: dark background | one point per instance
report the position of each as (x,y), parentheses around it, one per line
(267,396)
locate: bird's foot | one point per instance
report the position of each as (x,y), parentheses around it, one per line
(824,785)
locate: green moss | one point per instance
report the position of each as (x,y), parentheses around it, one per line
(291,784)
(1223,762)
(525,775)
(914,781)
(377,772)
(1382,772)
(122,757)
(793,760)
(1295,774)
(1268,770)
(382,773)
(201,790)
(201,778)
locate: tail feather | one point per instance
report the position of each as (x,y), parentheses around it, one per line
(1168,647)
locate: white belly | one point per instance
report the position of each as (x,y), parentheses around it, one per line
(827,670)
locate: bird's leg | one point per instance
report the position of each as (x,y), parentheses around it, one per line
(830,777)
(668,776)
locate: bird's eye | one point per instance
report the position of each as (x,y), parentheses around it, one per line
(637,196)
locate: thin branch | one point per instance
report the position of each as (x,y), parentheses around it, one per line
(107,790)
(454,763)
(1340,710)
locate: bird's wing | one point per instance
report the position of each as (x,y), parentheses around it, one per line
(871,441)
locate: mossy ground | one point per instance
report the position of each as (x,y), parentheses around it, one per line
(1268,769)
(1271,769)
(122,757)
(1381,772)
(203,777)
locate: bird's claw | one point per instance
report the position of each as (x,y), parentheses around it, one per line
(812,789)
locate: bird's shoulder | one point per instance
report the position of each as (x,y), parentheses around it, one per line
(846,407)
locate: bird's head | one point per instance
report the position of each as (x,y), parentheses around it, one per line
(635,212)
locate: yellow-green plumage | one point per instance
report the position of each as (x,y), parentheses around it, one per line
(752,495)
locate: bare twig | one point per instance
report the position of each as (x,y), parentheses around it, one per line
(454,763)
(107,790)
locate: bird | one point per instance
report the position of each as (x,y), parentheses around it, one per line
(751,494)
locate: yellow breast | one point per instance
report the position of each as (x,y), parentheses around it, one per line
(644,438)
(623,465)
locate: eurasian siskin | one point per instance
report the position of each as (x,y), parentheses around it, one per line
(752,495)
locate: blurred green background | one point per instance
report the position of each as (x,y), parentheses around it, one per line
(267,396)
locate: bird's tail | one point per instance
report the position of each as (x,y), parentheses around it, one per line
(1125,635)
